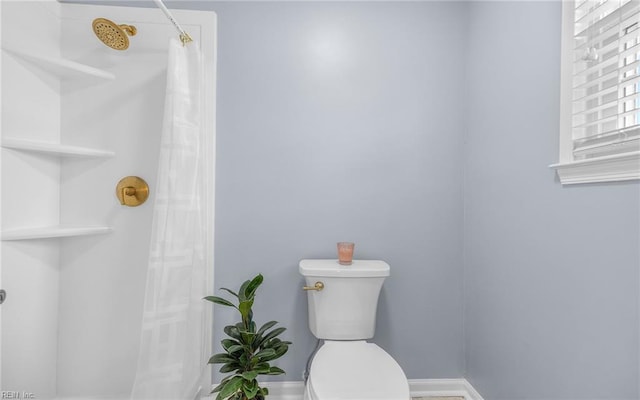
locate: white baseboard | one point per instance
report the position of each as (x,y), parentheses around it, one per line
(285,390)
(473,393)
(289,390)
(443,387)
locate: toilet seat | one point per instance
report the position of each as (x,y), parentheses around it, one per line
(355,370)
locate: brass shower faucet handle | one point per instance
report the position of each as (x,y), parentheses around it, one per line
(318,286)
(132,191)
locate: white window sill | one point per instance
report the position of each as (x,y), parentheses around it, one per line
(619,167)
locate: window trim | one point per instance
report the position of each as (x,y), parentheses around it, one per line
(615,168)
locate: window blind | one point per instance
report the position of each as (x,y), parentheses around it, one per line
(606,78)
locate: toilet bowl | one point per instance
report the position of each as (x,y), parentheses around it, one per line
(342,304)
(355,370)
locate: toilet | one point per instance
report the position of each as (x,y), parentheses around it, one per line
(343,300)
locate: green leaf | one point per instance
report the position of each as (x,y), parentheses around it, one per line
(275,371)
(253,286)
(271,344)
(234,348)
(229,367)
(250,392)
(247,337)
(231,387)
(271,335)
(245,309)
(229,291)
(233,331)
(221,385)
(220,300)
(279,352)
(242,293)
(281,349)
(250,384)
(217,389)
(274,333)
(262,368)
(265,353)
(250,319)
(266,326)
(249,375)
(226,343)
(222,358)
(244,360)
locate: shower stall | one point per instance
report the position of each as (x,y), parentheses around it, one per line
(77,117)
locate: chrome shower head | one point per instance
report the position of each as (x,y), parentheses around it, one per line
(113,35)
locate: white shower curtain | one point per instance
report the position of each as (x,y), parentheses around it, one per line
(172,360)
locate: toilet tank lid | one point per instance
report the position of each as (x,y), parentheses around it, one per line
(331,268)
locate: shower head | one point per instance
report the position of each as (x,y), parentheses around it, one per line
(114,36)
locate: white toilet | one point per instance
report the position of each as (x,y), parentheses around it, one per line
(342,310)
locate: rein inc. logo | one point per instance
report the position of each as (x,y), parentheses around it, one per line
(7,394)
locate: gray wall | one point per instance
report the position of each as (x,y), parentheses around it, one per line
(342,121)
(551,273)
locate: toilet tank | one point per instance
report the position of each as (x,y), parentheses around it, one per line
(345,309)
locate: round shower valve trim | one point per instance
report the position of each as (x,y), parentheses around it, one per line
(132,191)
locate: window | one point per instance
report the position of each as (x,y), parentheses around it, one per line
(600,105)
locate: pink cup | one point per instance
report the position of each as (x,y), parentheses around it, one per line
(345,252)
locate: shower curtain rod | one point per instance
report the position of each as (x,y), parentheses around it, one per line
(184,36)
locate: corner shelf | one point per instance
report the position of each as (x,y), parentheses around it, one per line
(61,67)
(50,232)
(64,70)
(54,148)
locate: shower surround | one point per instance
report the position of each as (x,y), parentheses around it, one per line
(74,308)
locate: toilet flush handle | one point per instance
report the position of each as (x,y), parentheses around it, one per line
(318,286)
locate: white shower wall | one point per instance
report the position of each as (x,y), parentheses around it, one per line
(30,188)
(102,278)
(90,308)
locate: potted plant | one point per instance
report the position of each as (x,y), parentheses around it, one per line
(248,350)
